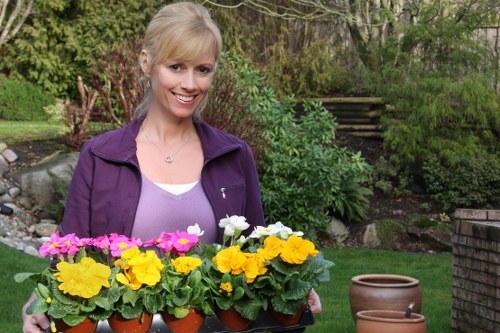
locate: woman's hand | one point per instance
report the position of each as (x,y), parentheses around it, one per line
(314,302)
(37,323)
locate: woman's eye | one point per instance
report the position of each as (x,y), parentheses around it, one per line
(175,67)
(205,70)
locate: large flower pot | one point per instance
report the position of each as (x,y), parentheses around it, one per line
(232,319)
(140,324)
(86,326)
(188,324)
(389,321)
(384,292)
(286,319)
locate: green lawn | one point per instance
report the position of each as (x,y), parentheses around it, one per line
(21,131)
(433,271)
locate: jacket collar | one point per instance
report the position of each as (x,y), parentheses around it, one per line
(120,146)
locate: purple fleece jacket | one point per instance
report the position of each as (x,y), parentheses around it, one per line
(105,189)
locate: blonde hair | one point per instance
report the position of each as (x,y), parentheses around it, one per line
(182,30)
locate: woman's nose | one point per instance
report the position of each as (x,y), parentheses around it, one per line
(188,81)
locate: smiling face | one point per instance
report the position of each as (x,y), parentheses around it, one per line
(179,87)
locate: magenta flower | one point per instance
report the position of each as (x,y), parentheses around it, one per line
(120,243)
(52,246)
(69,244)
(165,242)
(183,241)
(152,242)
(102,242)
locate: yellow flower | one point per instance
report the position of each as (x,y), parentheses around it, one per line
(48,300)
(128,279)
(296,250)
(230,260)
(185,265)
(227,287)
(139,268)
(84,279)
(272,248)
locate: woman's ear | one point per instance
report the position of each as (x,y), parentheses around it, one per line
(145,63)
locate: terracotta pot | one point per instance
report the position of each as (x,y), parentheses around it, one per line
(232,319)
(86,326)
(389,321)
(188,324)
(121,325)
(286,319)
(384,292)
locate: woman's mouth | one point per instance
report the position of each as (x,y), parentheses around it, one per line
(184,99)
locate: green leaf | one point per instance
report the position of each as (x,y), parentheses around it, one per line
(21,277)
(298,290)
(73,320)
(180,312)
(130,296)
(129,312)
(249,309)
(39,305)
(44,291)
(103,302)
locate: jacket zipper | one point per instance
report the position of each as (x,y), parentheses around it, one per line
(223,190)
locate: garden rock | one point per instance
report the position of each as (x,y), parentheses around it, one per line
(45,229)
(32,251)
(3,188)
(4,166)
(3,146)
(440,239)
(370,238)
(5,198)
(14,192)
(38,183)
(25,202)
(337,230)
(9,155)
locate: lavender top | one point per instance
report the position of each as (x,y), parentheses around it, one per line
(160,210)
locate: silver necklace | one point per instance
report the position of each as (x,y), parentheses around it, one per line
(169,158)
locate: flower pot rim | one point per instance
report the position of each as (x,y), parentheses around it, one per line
(404,281)
(389,316)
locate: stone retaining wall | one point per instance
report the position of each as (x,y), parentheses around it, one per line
(476,271)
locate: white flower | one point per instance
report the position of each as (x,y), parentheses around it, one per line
(260,231)
(229,230)
(241,240)
(238,222)
(195,230)
(278,229)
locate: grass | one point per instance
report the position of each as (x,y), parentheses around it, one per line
(433,271)
(21,131)
(13,295)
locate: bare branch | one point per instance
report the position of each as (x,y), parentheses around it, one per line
(14,17)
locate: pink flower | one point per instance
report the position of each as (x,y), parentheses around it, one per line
(120,243)
(165,242)
(101,242)
(52,246)
(152,242)
(69,244)
(183,241)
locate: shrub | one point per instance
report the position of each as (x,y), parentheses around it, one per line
(63,39)
(304,175)
(471,182)
(22,100)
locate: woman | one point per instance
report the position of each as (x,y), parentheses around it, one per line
(167,169)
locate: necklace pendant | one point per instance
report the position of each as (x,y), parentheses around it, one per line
(169,159)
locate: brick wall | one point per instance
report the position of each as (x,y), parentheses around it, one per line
(476,271)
